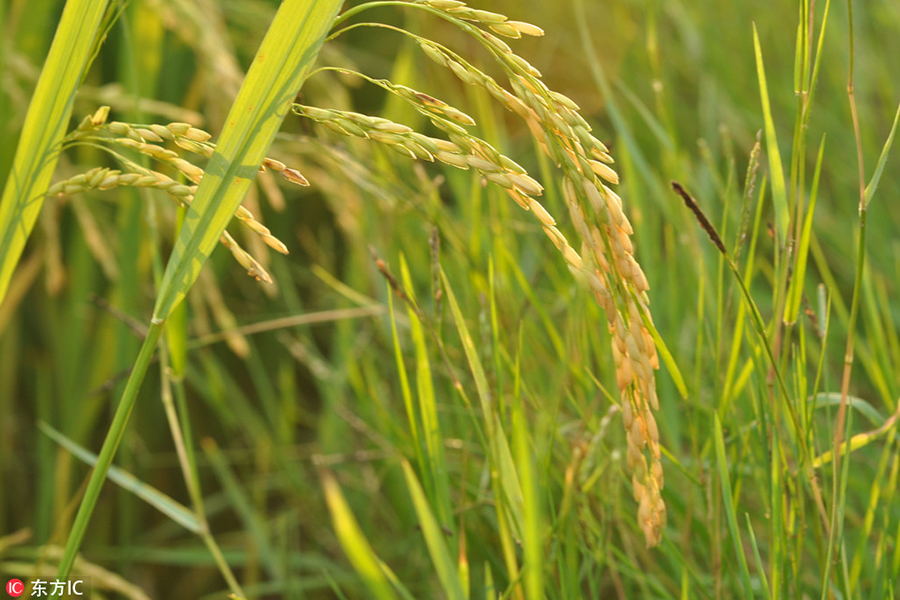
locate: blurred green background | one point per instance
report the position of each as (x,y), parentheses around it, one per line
(671,87)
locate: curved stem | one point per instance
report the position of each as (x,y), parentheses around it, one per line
(462,24)
(380,3)
(388,87)
(335,34)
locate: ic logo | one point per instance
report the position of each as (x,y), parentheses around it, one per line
(15,587)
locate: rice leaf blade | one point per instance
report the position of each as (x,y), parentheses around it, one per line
(279,69)
(354,542)
(440,555)
(44,128)
(149,494)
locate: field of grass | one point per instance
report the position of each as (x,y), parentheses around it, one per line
(433,393)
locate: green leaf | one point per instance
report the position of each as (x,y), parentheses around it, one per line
(501,457)
(282,63)
(434,538)
(149,494)
(795,294)
(776,171)
(734,531)
(662,349)
(253,519)
(353,541)
(882,159)
(436,465)
(45,126)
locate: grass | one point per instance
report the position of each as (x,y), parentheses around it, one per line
(440,394)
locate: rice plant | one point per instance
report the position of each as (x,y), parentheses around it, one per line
(665,369)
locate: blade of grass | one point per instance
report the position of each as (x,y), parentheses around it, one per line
(875,498)
(859,440)
(663,350)
(732,388)
(795,293)
(779,192)
(281,65)
(353,541)
(439,486)
(504,480)
(405,390)
(434,538)
(182,437)
(149,494)
(882,159)
(533,538)
(45,125)
(253,520)
(759,564)
(398,585)
(730,514)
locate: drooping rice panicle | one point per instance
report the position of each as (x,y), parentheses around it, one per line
(605,262)
(147,140)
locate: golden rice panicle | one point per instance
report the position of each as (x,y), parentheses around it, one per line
(148,140)
(620,287)
(614,276)
(606,263)
(465,151)
(145,139)
(496,22)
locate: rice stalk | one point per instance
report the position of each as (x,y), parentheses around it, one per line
(281,66)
